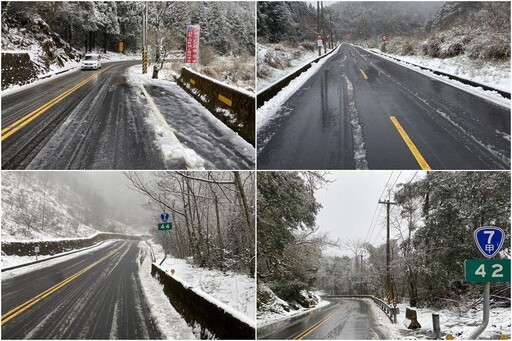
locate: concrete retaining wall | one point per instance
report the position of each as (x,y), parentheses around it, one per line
(196,309)
(17,69)
(58,246)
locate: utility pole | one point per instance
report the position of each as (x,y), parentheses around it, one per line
(361,275)
(144,38)
(330,28)
(388,203)
(318,29)
(323,26)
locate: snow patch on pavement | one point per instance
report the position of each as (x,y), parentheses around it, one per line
(172,149)
(216,144)
(357,130)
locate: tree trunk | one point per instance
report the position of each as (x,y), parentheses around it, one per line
(243,199)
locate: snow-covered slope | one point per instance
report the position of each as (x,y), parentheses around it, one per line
(234,289)
(36,210)
(276,61)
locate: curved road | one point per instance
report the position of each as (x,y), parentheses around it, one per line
(98,120)
(365,112)
(343,319)
(96,295)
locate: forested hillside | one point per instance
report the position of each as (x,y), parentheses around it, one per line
(298,21)
(39,206)
(56,32)
(479,30)
(289,243)
(212,215)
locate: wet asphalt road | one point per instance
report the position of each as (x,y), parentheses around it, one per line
(340,120)
(96,126)
(105,302)
(343,319)
(97,120)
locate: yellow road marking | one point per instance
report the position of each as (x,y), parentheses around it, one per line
(14,127)
(415,152)
(23,307)
(364,74)
(316,325)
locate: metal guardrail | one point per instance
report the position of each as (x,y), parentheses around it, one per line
(389,310)
(267,93)
(214,96)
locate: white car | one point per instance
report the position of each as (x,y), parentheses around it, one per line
(91,61)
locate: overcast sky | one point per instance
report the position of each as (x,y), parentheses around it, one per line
(350,202)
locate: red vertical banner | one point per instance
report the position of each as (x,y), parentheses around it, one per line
(192,50)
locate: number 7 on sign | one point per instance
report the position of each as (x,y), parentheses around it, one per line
(490,233)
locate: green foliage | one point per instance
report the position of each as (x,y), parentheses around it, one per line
(453,205)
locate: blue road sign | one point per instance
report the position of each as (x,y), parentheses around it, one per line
(489,240)
(165,217)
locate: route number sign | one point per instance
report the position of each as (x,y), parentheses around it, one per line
(165,227)
(489,240)
(487,270)
(164,217)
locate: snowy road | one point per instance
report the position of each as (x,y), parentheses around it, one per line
(343,319)
(94,296)
(101,120)
(362,111)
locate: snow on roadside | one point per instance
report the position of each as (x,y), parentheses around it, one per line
(172,149)
(492,96)
(8,261)
(269,319)
(272,73)
(168,320)
(493,74)
(267,113)
(458,323)
(47,78)
(136,78)
(235,290)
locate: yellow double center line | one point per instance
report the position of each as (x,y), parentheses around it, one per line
(14,127)
(412,147)
(23,307)
(316,325)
